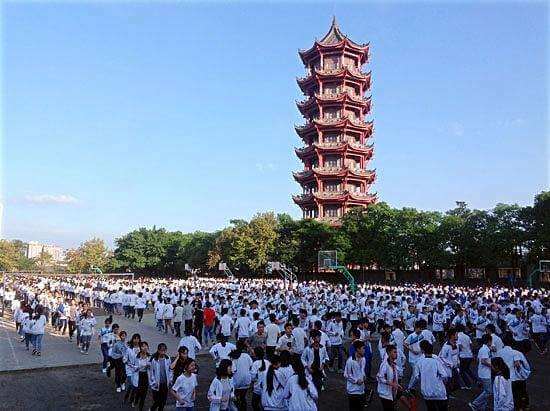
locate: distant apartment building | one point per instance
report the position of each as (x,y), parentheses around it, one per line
(34,249)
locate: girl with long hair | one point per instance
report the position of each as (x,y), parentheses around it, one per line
(258,368)
(178,365)
(129,360)
(272,386)
(503,398)
(140,378)
(221,393)
(300,390)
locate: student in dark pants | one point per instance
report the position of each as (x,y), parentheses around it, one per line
(159,377)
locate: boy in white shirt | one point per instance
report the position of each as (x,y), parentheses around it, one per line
(354,373)
(484,374)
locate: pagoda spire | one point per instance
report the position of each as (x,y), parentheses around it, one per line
(334,34)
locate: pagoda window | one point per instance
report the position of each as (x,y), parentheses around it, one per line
(332,161)
(354,187)
(331,138)
(331,88)
(332,210)
(332,186)
(331,62)
(352,113)
(353,162)
(350,61)
(354,91)
(331,113)
(310,188)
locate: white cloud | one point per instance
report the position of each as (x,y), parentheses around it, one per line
(511,122)
(50,199)
(457,129)
(262,167)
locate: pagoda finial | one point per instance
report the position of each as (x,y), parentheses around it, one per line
(334,34)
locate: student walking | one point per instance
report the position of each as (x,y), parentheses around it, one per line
(117,354)
(300,392)
(159,377)
(431,373)
(185,386)
(37,331)
(221,393)
(354,373)
(140,378)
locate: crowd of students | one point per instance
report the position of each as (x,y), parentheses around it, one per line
(288,337)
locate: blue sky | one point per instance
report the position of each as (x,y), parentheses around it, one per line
(121,115)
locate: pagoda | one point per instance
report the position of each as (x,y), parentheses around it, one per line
(337,149)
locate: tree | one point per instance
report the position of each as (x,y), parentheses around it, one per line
(9,256)
(92,253)
(142,250)
(246,246)
(44,261)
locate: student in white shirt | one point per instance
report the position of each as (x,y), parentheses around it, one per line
(185,387)
(191,343)
(272,386)
(141,304)
(160,376)
(167,316)
(449,357)
(519,372)
(335,331)
(539,326)
(221,350)
(37,330)
(432,374)
(226,323)
(484,374)
(242,325)
(354,373)
(503,398)
(465,356)
(221,393)
(87,325)
(272,333)
(241,364)
(300,390)
(388,379)
(259,366)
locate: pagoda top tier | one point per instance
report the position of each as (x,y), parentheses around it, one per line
(335,40)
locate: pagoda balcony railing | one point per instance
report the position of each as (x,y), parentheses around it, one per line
(329,95)
(327,194)
(328,145)
(330,220)
(359,146)
(357,121)
(329,170)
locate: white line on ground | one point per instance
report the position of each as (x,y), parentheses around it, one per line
(11,348)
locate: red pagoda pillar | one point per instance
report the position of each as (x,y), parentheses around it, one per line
(336,149)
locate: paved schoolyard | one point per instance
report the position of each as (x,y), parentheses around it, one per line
(64,379)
